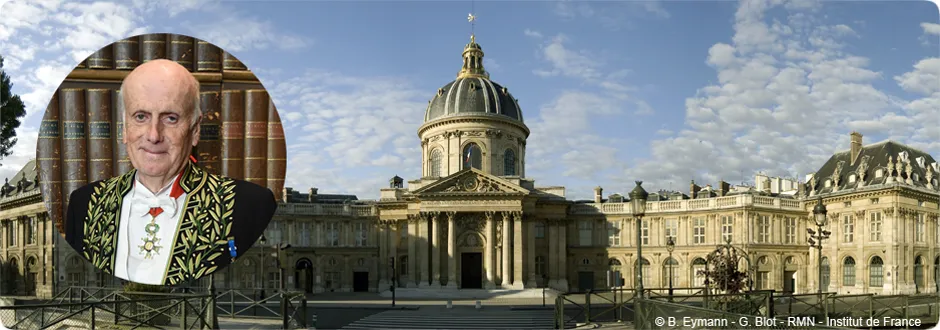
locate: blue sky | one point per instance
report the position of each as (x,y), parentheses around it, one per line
(613,92)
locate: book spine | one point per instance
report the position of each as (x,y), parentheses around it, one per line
(152,47)
(81,65)
(210,142)
(277,153)
(48,157)
(101,59)
(126,54)
(230,62)
(233,134)
(122,164)
(100,156)
(74,158)
(256,134)
(181,50)
(209,57)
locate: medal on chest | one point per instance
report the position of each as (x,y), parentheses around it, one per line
(151,241)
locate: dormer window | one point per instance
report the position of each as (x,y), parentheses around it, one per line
(852,178)
(879,173)
(828,183)
(916,177)
(921,161)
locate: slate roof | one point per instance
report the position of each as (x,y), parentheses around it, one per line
(297,197)
(25,181)
(870,159)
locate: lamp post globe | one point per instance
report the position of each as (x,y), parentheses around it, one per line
(819,213)
(819,216)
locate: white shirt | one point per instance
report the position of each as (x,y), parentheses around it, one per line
(130,262)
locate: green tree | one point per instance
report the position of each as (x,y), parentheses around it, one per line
(11,110)
(724,274)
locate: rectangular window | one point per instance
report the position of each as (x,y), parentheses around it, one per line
(362,234)
(727,227)
(585,232)
(876,275)
(540,265)
(31,230)
(848,274)
(875,226)
(698,231)
(763,280)
(645,231)
(613,233)
(848,228)
(13,233)
(274,279)
(919,228)
(332,234)
(274,234)
(539,230)
(790,237)
(248,280)
(304,234)
(763,227)
(672,228)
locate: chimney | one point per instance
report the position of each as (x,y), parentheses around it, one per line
(312,197)
(598,192)
(723,188)
(694,188)
(286,193)
(855,146)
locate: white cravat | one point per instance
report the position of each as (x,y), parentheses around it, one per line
(130,262)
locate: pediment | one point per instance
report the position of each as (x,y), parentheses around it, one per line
(472,181)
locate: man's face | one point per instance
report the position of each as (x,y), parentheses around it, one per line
(158,130)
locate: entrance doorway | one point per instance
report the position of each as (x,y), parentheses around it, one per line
(789,281)
(304,274)
(585,281)
(471,270)
(360,281)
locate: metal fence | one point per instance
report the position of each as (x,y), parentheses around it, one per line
(760,309)
(184,308)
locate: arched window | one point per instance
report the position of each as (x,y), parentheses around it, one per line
(436,163)
(698,267)
(825,274)
(645,267)
(919,274)
(876,272)
(472,156)
(509,163)
(848,272)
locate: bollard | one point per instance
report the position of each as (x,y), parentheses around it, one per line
(479,305)
(450,304)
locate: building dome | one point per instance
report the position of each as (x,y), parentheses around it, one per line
(473,93)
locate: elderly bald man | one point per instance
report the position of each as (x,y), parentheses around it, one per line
(167,221)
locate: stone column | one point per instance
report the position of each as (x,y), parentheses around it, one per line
(451,250)
(383,236)
(412,255)
(563,255)
(518,272)
(488,255)
(394,235)
(423,258)
(552,238)
(506,279)
(436,249)
(530,252)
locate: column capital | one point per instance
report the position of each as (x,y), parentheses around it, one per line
(489,215)
(451,215)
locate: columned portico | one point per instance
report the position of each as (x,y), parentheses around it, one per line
(451,251)
(489,257)
(507,234)
(436,249)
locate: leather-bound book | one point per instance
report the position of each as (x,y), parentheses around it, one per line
(277,152)
(72,113)
(153,47)
(101,59)
(229,62)
(233,133)
(208,57)
(81,65)
(100,157)
(181,50)
(126,54)
(48,152)
(256,135)
(208,151)
(122,164)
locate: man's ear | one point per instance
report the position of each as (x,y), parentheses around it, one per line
(196,130)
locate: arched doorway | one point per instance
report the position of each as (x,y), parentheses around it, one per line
(303,272)
(13,274)
(31,271)
(936,273)
(918,274)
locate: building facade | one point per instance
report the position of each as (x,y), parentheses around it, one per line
(473,220)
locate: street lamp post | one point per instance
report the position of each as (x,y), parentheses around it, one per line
(670,246)
(394,280)
(638,199)
(264,274)
(816,238)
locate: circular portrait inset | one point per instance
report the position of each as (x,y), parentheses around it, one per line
(159,158)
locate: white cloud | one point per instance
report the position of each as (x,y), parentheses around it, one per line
(343,123)
(236,33)
(533,33)
(612,15)
(786,98)
(931,28)
(22,152)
